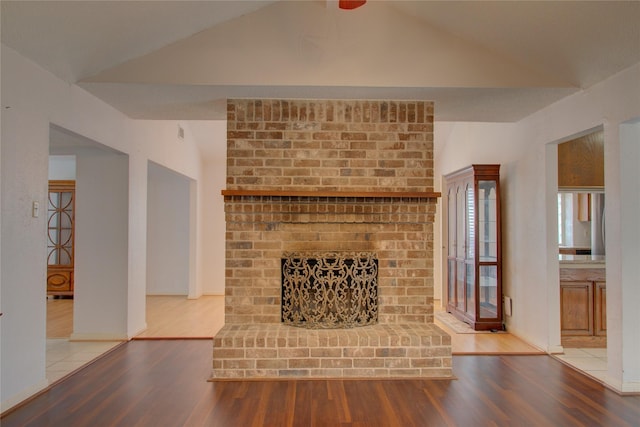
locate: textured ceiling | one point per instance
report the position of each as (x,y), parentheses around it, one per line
(478,60)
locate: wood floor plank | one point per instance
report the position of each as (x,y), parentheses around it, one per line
(150,383)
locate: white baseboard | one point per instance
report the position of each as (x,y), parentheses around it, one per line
(22,396)
(97,337)
(631,387)
(138,332)
(555,349)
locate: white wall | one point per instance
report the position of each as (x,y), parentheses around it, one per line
(457,145)
(23,274)
(62,167)
(214,180)
(32,99)
(101,246)
(528,156)
(168,237)
(627,359)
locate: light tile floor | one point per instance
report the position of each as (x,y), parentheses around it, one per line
(592,361)
(188,318)
(64,356)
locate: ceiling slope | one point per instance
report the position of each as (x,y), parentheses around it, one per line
(307,44)
(478,60)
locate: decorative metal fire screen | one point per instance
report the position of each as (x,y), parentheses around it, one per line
(330,289)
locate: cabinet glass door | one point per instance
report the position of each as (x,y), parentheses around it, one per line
(451,256)
(470,250)
(488,249)
(460,248)
(60,228)
(487,221)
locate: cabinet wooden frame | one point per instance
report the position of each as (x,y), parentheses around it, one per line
(60,277)
(468,273)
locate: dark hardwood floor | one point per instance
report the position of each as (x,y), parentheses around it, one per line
(164,383)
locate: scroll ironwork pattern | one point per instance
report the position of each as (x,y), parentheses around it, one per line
(330,289)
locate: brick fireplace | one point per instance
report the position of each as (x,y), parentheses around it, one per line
(332,176)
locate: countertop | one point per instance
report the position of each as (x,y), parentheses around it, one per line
(582,261)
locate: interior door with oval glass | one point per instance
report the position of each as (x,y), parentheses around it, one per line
(60,237)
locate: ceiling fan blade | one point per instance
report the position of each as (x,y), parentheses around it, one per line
(351,4)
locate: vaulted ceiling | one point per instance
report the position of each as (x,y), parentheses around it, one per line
(478,60)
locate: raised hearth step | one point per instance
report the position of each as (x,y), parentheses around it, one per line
(270,351)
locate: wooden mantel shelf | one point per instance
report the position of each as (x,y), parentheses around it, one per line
(362,194)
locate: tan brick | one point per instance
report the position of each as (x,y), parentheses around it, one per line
(404,373)
(326,352)
(435,372)
(271,364)
(294,373)
(303,363)
(336,363)
(397,362)
(293,352)
(234,373)
(391,352)
(239,364)
(261,353)
(225,353)
(326,373)
(430,352)
(368,363)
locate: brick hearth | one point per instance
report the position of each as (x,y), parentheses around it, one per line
(267,350)
(339,146)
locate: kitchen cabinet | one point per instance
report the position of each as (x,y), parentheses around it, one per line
(474,264)
(583,307)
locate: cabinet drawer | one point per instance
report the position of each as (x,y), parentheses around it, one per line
(59,281)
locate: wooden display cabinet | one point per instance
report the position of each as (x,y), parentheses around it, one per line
(474,265)
(60,238)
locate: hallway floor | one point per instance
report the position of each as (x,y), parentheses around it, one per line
(64,356)
(167,317)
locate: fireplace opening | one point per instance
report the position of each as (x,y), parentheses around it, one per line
(329,290)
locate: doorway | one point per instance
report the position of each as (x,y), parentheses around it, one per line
(60,246)
(581,252)
(97,249)
(60,237)
(169,236)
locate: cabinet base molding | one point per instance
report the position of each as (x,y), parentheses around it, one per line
(477,325)
(584,342)
(97,337)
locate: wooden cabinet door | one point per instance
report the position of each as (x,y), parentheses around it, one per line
(576,308)
(601,308)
